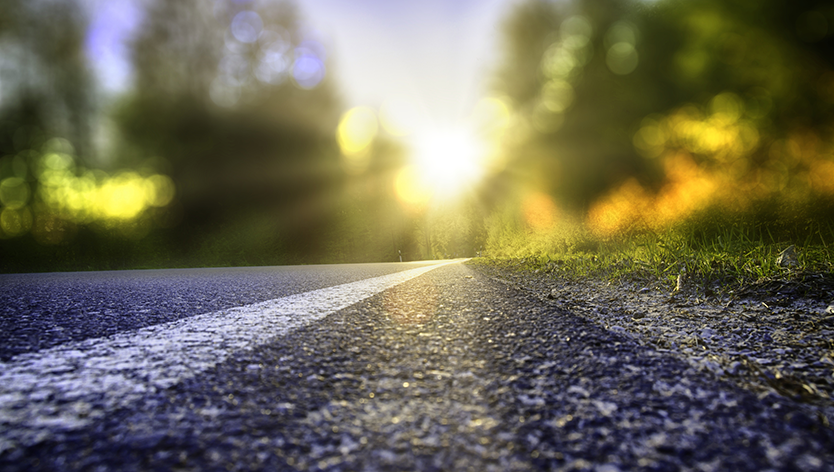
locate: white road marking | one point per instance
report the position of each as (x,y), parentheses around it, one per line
(69,386)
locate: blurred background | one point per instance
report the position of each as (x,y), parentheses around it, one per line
(149,133)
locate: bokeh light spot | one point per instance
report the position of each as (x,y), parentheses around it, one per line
(14,166)
(539,211)
(650,139)
(14,193)
(727,107)
(576,31)
(357,130)
(314,48)
(247,26)
(233,69)
(544,120)
(621,32)
(15,222)
(68,195)
(558,62)
(308,70)
(123,196)
(161,190)
(271,72)
(223,93)
(411,187)
(622,58)
(557,95)
(273,63)
(712,156)
(620,210)
(58,161)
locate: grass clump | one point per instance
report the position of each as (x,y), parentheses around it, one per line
(712,254)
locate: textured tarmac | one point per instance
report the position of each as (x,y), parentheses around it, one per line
(452,370)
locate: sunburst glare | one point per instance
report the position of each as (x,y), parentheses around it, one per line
(449,158)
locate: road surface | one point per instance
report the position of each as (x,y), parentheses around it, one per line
(429,366)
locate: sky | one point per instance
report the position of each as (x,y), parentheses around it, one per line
(438,53)
(112,24)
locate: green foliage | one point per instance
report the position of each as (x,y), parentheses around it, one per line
(674,137)
(653,135)
(239,136)
(251,150)
(45,84)
(455,230)
(581,93)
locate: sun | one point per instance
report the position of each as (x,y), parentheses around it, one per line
(448,159)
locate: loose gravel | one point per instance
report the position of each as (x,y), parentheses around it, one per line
(454,370)
(771,338)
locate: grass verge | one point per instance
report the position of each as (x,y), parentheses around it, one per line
(718,258)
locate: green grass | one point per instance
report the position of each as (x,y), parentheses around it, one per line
(716,255)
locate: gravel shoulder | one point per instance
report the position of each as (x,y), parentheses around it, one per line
(773,339)
(462,368)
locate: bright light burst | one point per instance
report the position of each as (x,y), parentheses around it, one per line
(449,159)
(445,160)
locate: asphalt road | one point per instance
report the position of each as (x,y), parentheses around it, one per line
(370,367)
(39,311)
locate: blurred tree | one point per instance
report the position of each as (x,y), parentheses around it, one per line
(236,98)
(583,76)
(45,87)
(456,230)
(572,137)
(369,224)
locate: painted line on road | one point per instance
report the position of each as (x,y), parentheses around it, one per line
(69,386)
